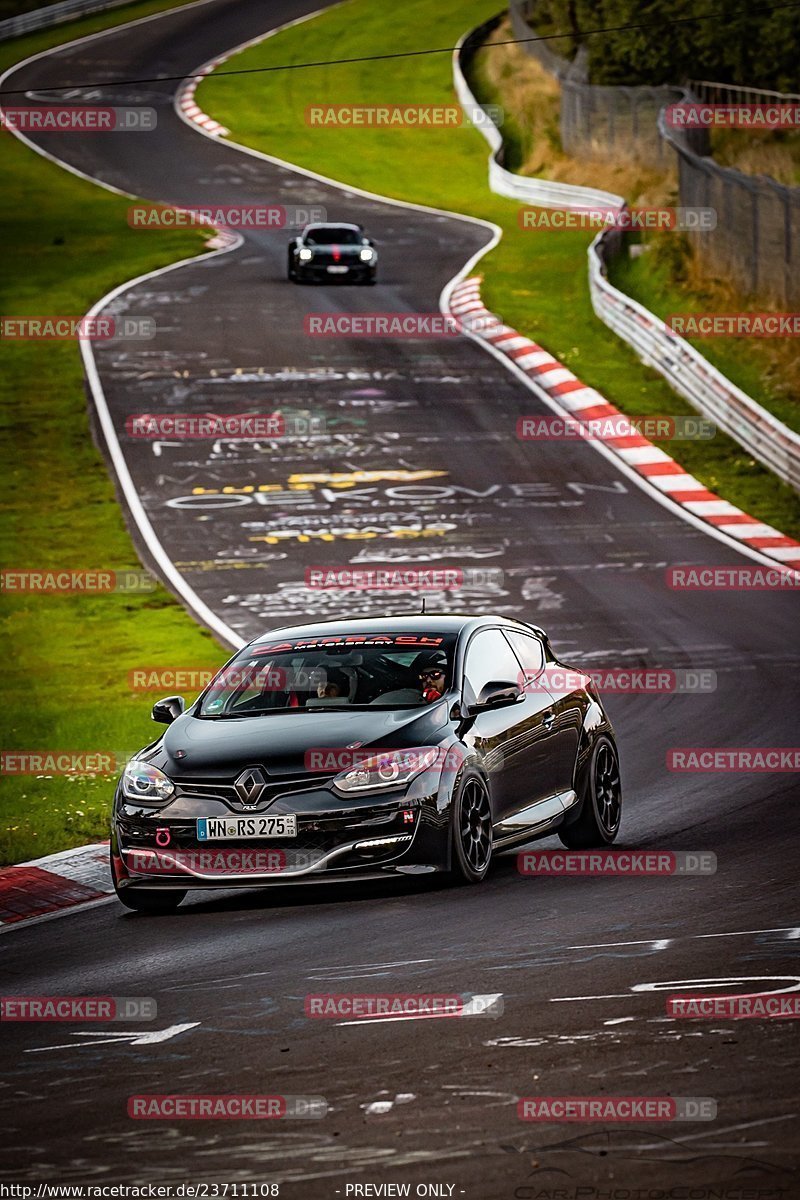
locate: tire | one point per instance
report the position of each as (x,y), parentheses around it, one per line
(291,273)
(471,830)
(600,794)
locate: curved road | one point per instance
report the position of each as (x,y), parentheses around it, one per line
(582,550)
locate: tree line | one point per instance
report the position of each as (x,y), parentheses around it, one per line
(736,43)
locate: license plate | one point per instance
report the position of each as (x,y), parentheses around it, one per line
(221,829)
(337,270)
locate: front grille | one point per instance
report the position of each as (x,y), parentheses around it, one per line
(326,258)
(227,793)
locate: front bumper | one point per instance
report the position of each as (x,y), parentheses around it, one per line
(402,832)
(352,270)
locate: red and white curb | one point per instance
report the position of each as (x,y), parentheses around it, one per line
(187,104)
(637,452)
(185,101)
(46,887)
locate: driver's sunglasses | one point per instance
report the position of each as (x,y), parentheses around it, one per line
(430,673)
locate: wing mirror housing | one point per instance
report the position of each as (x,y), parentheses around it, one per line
(498,693)
(168,710)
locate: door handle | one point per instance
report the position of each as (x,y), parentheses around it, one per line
(547,720)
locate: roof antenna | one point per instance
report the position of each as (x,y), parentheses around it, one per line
(422,610)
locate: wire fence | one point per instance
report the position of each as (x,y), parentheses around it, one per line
(597,120)
(594,119)
(756,242)
(553,55)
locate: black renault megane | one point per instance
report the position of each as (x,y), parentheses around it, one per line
(366,748)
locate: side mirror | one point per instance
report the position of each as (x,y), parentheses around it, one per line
(168,710)
(498,693)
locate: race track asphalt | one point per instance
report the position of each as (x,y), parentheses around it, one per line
(583,551)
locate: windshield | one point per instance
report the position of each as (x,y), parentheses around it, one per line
(333,672)
(335,235)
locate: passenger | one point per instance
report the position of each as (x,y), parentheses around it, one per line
(330,684)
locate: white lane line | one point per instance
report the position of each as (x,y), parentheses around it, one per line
(170,573)
(131,1038)
(793,930)
(405,962)
(477,1006)
(607,996)
(693,985)
(693,1137)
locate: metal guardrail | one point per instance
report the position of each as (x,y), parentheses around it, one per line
(542,192)
(53,14)
(691,375)
(684,367)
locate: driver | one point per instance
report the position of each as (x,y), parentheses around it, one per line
(433,677)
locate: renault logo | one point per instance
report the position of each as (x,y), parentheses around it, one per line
(250,786)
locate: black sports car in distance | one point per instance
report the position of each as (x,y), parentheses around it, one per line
(363,749)
(332,251)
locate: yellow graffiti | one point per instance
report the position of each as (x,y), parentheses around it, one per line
(307,482)
(350,535)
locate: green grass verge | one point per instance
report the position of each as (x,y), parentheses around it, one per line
(536,280)
(66,243)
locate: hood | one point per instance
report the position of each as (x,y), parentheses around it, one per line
(279,742)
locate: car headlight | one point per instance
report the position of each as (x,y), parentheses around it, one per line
(147,784)
(305,254)
(367,254)
(393,768)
